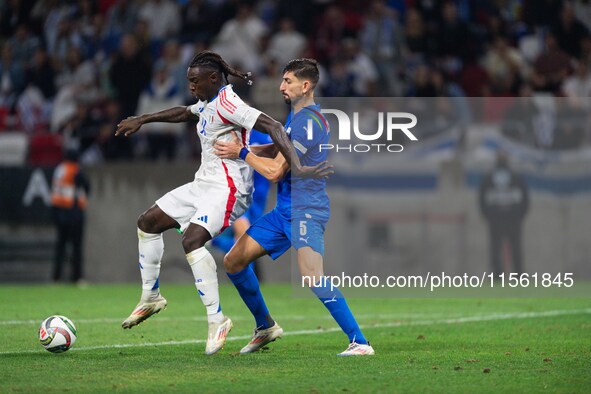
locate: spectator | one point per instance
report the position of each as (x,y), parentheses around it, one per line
(13,13)
(422,84)
(23,45)
(148,48)
(162,92)
(171,57)
(551,67)
(113,148)
(287,43)
(582,9)
(75,69)
(505,65)
(417,41)
(569,31)
(453,34)
(381,38)
(300,12)
(120,20)
(66,38)
(239,40)
(162,16)
(504,202)
(330,33)
(69,191)
(265,94)
(197,21)
(474,79)
(82,130)
(340,80)
(361,68)
(577,87)
(76,83)
(89,23)
(129,74)
(41,73)
(12,77)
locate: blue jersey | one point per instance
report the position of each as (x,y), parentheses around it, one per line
(307,130)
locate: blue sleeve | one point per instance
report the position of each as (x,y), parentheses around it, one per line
(300,135)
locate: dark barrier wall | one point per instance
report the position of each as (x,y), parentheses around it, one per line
(25,197)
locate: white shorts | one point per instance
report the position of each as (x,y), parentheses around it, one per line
(213,206)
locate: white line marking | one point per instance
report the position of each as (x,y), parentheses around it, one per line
(467,319)
(238,318)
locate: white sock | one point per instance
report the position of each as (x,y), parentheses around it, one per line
(206,280)
(151,248)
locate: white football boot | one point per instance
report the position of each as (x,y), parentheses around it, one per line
(357,349)
(216,336)
(262,337)
(144,310)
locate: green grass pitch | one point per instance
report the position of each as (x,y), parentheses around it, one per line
(422,345)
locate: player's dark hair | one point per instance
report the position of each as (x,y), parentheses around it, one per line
(304,68)
(214,61)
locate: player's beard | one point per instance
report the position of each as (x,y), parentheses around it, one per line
(287,99)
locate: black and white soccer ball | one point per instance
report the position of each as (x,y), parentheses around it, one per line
(57,334)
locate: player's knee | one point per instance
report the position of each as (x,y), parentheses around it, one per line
(231,264)
(189,244)
(146,223)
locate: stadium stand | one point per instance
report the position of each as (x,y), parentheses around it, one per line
(72,51)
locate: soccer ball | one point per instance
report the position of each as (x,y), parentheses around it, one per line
(57,334)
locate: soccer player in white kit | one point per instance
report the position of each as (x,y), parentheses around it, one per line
(219,194)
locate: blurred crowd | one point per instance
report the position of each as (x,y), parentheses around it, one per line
(70,70)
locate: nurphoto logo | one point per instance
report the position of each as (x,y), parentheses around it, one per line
(387,122)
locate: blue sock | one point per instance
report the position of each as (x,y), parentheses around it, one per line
(247,284)
(335,302)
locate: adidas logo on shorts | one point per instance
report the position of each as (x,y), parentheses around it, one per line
(202,219)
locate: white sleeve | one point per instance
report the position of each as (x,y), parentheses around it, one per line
(197,108)
(233,109)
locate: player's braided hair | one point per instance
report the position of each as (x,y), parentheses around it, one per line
(212,60)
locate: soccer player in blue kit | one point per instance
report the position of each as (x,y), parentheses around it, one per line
(299,221)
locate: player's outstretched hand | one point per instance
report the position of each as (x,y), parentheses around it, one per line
(228,149)
(322,170)
(128,126)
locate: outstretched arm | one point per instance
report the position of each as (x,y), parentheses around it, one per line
(132,124)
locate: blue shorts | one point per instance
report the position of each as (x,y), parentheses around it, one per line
(276,234)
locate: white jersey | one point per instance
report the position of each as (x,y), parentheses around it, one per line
(222,189)
(217,119)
